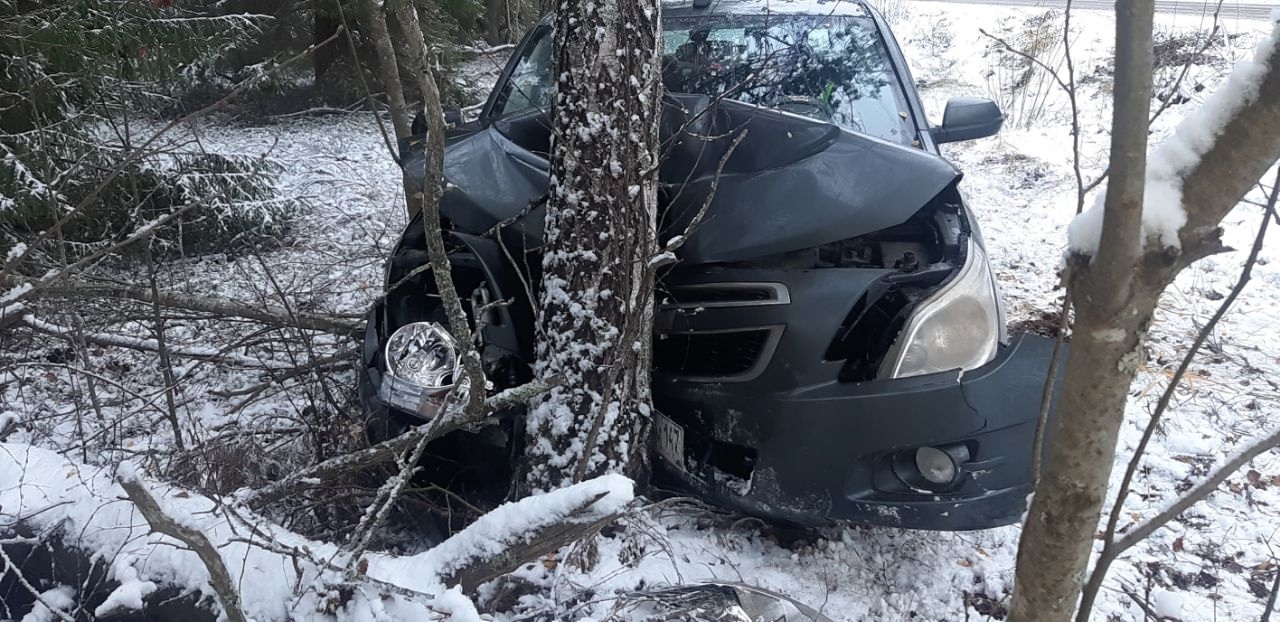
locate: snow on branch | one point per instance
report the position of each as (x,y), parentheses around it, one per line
(162,522)
(515,533)
(1164,211)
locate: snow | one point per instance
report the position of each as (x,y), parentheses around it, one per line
(1163,214)
(1207,565)
(51,602)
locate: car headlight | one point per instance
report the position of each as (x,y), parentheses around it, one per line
(423,369)
(956,328)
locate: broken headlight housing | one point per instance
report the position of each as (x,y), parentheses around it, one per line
(956,328)
(424,369)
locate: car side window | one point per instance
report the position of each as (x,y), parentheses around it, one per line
(531,85)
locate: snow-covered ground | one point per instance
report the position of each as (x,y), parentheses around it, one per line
(1216,562)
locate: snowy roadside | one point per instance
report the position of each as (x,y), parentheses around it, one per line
(1209,564)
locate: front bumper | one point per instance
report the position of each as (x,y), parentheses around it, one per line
(825,453)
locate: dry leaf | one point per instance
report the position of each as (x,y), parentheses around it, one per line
(550,562)
(1177,544)
(1255,479)
(966,563)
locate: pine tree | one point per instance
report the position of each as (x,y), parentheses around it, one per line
(74,76)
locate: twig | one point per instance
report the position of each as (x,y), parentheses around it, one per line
(1193,496)
(12,568)
(161,523)
(443,423)
(1271,598)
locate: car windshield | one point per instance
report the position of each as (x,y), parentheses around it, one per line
(834,68)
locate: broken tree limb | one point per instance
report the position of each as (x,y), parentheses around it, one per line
(518,532)
(538,544)
(389,449)
(151,345)
(219,577)
(264,313)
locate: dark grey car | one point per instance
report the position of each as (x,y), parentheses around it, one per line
(830,345)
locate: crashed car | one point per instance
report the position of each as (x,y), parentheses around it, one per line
(830,344)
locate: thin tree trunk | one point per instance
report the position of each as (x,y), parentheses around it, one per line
(1111,322)
(373,17)
(596,311)
(495,16)
(324,26)
(418,57)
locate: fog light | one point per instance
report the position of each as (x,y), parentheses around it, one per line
(936,466)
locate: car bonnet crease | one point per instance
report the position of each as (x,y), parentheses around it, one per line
(791,183)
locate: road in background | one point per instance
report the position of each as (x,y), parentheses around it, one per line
(1229,9)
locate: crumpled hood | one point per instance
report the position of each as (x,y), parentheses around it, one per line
(792,183)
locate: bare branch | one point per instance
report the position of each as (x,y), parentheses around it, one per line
(1195,495)
(264,313)
(151,345)
(219,578)
(388,450)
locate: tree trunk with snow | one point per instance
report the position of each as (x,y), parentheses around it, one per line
(1119,265)
(596,312)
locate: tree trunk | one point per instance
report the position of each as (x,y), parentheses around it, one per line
(495,16)
(323,26)
(1115,293)
(373,18)
(597,291)
(1111,321)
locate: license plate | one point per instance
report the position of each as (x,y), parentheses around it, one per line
(670,439)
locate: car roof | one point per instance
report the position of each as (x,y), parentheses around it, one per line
(690,8)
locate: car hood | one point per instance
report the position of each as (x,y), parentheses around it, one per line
(791,183)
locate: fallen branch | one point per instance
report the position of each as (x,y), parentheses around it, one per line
(150,345)
(390,449)
(515,533)
(264,313)
(538,544)
(219,577)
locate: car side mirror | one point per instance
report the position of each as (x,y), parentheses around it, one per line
(967,118)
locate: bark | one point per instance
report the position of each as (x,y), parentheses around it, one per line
(596,308)
(373,18)
(1115,294)
(324,27)
(495,16)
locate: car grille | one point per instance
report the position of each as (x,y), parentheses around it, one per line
(712,295)
(721,356)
